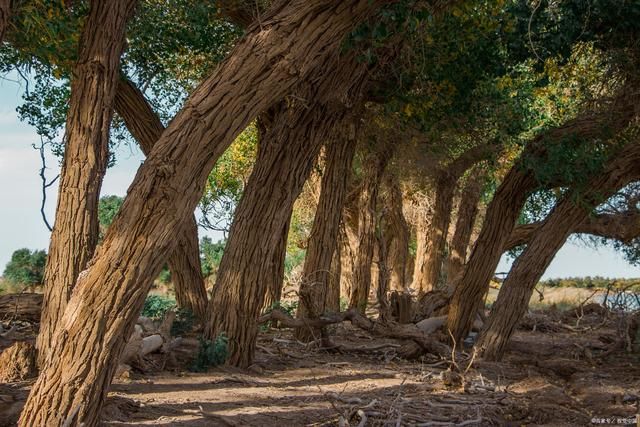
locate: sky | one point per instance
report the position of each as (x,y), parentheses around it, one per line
(21,225)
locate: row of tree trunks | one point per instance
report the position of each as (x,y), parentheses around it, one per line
(433,237)
(504,209)
(374,166)
(517,289)
(467,213)
(293,41)
(5,11)
(317,276)
(184,261)
(93,88)
(397,234)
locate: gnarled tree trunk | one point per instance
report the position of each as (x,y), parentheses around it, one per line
(467,213)
(184,261)
(75,232)
(374,168)
(397,236)
(323,240)
(294,41)
(526,271)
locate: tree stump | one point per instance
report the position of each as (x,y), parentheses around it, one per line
(18,362)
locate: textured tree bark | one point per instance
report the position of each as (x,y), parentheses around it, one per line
(323,240)
(5,11)
(75,232)
(287,156)
(434,237)
(623,226)
(184,261)
(398,236)
(295,41)
(517,289)
(374,167)
(332,303)
(275,279)
(508,200)
(467,213)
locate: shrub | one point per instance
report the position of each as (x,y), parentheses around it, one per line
(211,353)
(155,306)
(26,267)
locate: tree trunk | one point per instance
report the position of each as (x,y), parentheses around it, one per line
(525,273)
(398,236)
(332,301)
(508,200)
(434,238)
(323,240)
(467,213)
(184,261)
(75,232)
(375,164)
(287,155)
(294,41)
(5,11)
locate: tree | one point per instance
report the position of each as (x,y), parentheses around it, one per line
(26,267)
(5,9)
(108,208)
(167,188)
(75,232)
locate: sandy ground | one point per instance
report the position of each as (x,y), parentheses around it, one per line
(551,376)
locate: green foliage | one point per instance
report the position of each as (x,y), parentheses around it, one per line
(165,275)
(211,353)
(294,258)
(26,267)
(156,306)
(589,282)
(108,208)
(210,255)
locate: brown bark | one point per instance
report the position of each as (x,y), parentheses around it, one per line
(374,167)
(466,218)
(275,278)
(18,362)
(526,271)
(75,232)
(433,238)
(184,261)
(332,301)
(287,155)
(294,41)
(623,226)
(398,236)
(323,240)
(508,200)
(5,11)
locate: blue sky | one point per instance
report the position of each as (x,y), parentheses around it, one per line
(20,188)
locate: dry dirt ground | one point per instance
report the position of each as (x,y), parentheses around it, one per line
(551,376)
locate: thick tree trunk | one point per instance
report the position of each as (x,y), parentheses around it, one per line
(5,11)
(275,278)
(294,41)
(427,268)
(287,155)
(332,301)
(508,200)
(184,261)
(467,213)
(517,289)
(323,240)
(75,232)
(375,165)
(398,236)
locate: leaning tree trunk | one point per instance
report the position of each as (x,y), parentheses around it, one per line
(5,10)
(287,158)
(184,261)
(75,232)
(525,273)
(434,238)
(398,236)
(510,197)
(323,240)
(467,213)
(274,280)
(375,165)
(293,42)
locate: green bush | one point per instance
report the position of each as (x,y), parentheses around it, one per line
(155,306)
(26,267)
(211,353)
(210,255)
